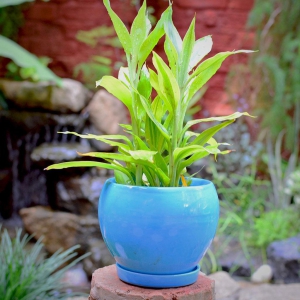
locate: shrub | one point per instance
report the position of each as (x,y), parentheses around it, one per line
(28,275)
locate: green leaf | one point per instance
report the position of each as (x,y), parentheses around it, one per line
(207,69)
(83,164)
(123,76)
(167,82)
(126,126)
(108,155)
(182,153)
(149,112)
(155,84)
(159,108)
(5,3)
(207,134)
(138,31)
(201,48)
(172,55)
(184,164)
(153,38)
(116,88)
(106,139)
(122,178)
(185,56)
(144,85)
(159,161)
(173,34)
(153,136)
(25,59)
(142,145)
(143,155)
(223,118)
(120,28)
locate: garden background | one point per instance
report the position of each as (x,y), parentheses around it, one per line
(258,183)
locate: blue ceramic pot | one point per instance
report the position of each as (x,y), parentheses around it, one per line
(158,235)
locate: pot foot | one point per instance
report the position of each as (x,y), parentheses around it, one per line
(158,281)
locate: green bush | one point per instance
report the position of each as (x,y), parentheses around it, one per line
(275,225)
(28,275)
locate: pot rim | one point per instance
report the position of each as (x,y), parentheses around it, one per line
(197,183)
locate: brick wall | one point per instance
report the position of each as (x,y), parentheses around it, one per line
(50,30)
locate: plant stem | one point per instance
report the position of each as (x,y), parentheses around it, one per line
(134,76)
(172,148)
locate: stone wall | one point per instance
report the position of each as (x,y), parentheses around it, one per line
(50,29)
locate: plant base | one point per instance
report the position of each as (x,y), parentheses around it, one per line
(158,281)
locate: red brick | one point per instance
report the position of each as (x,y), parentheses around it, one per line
(215,102)
(215,94)
(202,29)
(106,285)
(210,18)
(59,69)
(241,4)
(219,4)
(233,21)
(44,47)
(83,12)
(34,28)
(222,42)
(218,80)
(42,11)
(124,9)
(59,1)
(246,40)
(219,109)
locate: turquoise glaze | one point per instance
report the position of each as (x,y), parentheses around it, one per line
(158,235)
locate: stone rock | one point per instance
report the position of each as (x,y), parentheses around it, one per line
(71,97)
(263,274)
(80,195)
(60,230)
(106,285)
(271,292)
(6,203)
(100,146)
(226,287)
(76,280)
(100,257)
(5,179)
(22,123)
(284,257)
(58,152)
(106,113)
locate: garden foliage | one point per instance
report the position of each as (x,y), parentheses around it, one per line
(275,68)
(20,56)
(26,274)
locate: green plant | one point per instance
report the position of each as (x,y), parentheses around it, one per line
(22,57)
(274,226)
(162,145)
(275,68)
(246,152)
(11,19)
(280,170)
(247,194)
(293,186)
(27,275)
(28,73)
(98,66)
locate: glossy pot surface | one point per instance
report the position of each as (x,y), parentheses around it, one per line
(157,230)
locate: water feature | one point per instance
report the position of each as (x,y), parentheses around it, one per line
(23,182)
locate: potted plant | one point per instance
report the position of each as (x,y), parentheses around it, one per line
(157,221)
